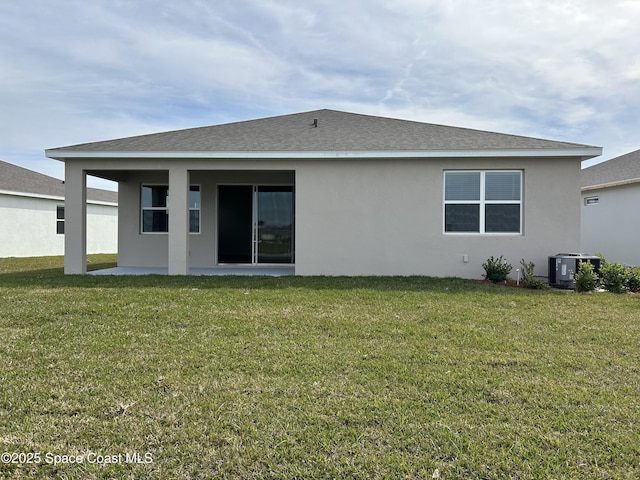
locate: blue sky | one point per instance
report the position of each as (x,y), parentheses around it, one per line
(74,71)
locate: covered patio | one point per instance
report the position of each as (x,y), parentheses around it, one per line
(223,221)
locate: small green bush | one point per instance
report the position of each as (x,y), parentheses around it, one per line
(496,269)
(586,279)
(615,277)
(527,271)
(528,281)
(634,279)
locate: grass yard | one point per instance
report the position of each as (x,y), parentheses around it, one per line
(245,377)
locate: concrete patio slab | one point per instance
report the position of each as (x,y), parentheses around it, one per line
(240,270)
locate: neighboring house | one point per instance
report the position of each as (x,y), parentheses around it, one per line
(610,200)
(32,212)
(332,193)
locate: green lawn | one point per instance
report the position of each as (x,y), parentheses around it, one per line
(245,377)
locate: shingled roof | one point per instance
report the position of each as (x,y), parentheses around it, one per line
(320,131)
(21,180)
(617,171)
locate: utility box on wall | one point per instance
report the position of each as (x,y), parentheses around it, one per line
(563,266)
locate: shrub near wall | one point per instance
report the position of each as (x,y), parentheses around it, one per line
(615,277)
(619,278)
(496,269)
(634,279)
(528,280)
(586,279)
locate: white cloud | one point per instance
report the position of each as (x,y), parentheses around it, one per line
(75,71)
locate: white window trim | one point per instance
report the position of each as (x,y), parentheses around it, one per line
(166,209)
(143,209)
(196,209)
(482,203)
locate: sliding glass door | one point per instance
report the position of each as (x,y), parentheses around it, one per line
(255,224)
(274,224)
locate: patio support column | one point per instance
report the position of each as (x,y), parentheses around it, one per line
(178,221)
(75,219)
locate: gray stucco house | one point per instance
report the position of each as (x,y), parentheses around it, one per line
(610,199)
(331,193)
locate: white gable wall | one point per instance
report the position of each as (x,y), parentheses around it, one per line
(611,226)
(102,228)
(29,227)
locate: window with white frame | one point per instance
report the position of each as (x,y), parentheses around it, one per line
(155,217)
(194,209)
(591,201)
(483,202)
(155,214)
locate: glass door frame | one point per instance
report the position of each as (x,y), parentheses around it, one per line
(255,240)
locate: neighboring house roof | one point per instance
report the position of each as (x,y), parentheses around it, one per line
(321,133)
(23,181)
(617,171)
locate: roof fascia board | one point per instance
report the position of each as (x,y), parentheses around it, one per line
(32,195)
(584,152)
(101,202)
(611,184)
(57,198)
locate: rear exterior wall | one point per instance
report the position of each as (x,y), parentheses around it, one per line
(379,217)
(374,216)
